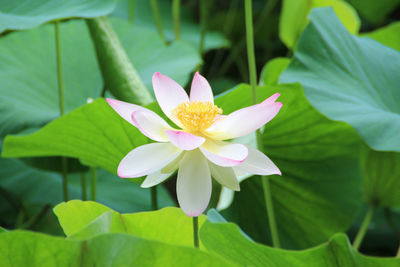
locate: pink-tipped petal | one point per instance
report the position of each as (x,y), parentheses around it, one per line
(224,154)
(245,120)
(150,124)
(169,94)
(184,140)
(201,89)
(124,109)
(147,159)
(155,179)
(193,186)
(225,176)
(257,163)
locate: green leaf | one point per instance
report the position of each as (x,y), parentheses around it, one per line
(382,178)
(227,241)
(121,195)
(308,148)
(28,73)
(21,248)
(272,70)
(375,11)
(20,15)
(349,79)
(94,133)
(388,35)
(82,220)
(190,30)
(294,18)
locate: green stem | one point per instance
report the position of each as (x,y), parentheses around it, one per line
(157,18)
(93,180)
(364,226)
(176,6)
(154,202)
(61,105)
(203,24)
(196,232)
(253,82)
(131,10)
(398,253)
(83,186)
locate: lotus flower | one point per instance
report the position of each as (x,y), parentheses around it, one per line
(197,149)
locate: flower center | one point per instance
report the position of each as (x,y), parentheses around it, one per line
(196,116)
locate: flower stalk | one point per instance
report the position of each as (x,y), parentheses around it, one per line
(364,227)
(157,19)
(196,232)
(176,6)
(93,180)
(64,165)
(253,82)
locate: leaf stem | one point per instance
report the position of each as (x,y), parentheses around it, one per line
(61,105)
(253,81)
(93,180)
(83,186)
(176,6)
(157,19)
(364,226)
(203,24)
(154,201)
(131,10)
(196,232)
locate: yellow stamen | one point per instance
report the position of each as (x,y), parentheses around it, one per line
(196,116)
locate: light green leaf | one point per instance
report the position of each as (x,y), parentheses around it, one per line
(375,11)
(22,14)
(349,79)
(94,133)
(190,30)
(382,178)
(21,248)
(227,241)
(388,35)
(82,220)
(28,73)
(272,70)
(308,148)
(294,18)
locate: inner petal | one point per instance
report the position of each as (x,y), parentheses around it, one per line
(196,116)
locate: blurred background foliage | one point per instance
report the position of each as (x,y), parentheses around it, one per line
(314,199)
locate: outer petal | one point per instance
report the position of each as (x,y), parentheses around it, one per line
(201,89)
(124,109)
(155,179)
(193,186)
(224,154)
(150,124)
(147,159)
(245,120)
(184,140)
(257,163)
(169,94)
(225,176)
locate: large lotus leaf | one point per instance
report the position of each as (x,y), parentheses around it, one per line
(320,174)
(28,72)
(21,248)
(294,17)
(349,79)
(85,219)
(119,194)
(381,178)
(227,241)
(190,30)
(388,35)
(94,133)
(272,70)
(375,11)
(25,14)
